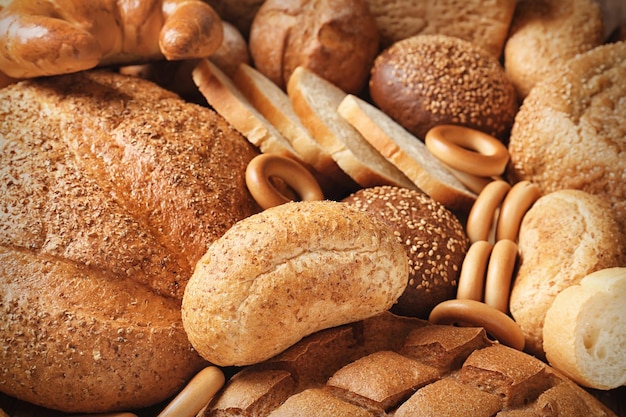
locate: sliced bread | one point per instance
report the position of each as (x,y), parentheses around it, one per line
(315,101)
(407,153)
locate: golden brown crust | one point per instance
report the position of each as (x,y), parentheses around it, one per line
(416,82)
(569,132)
(336,39)
(111,190)
(433,238)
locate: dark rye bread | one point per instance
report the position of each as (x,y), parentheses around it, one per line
(397,366)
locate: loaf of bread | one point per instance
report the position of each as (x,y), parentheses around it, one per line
(569,132)
(111,189)
(337,39)
(429,80)
(289,271)
(389,365)
(584,332)
(82,35)
(565,236)
(433,238)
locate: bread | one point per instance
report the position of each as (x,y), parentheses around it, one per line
(240,13)
(287,272)
(389,365)
(483,25)
(545,35)
(337,39)
(584,332)
(569,132)
(275,105)
(315,101)
(107,201)
(563,237)
(83,35)
(407,153)
(433,238)
(417,82)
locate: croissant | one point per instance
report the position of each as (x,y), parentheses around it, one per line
(50,37)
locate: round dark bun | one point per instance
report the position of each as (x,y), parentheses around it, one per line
(428,80)
(434,240)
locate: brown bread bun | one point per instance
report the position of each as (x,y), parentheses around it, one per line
(433,238)
(416,81)
(389,365)
(287,272)
(111,189)
(565,236)
(336,39)
(569,132)
(545,34)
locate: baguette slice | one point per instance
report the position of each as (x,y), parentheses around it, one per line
(406,152)
(315,101)
(274,104)
(584,333)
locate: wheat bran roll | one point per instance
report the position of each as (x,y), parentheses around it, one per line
(570,131)
(428,80)
(545,34)
(564,236)
(433,238)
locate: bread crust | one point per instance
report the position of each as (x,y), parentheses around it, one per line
(287,272)
(111,189)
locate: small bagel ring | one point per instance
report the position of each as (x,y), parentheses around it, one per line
(500,274)
(264,166)
(481,216)
(475,313)
(515,205)
(473,183)
(472,277)
(451,144)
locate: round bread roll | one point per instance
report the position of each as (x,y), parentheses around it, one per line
(111,189)
(287,272)
(433,238)
(569,132)
(429,80)
(584,334)
(240,12)
(392,365)
(545,34)
(336,39)
(563,237)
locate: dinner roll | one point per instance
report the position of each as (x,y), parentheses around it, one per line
(429,80)
(433,238)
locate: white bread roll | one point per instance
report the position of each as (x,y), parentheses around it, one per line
(584,334)
(287,272)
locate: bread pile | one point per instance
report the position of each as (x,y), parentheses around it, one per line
(130,240)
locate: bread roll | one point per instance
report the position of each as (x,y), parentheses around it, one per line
(287,272)
(111,189)
(545,35)
(484,25)
(584,333)
(389,365)
(433,238)
(417,82)
(569,132)
(565,236)
(336,39)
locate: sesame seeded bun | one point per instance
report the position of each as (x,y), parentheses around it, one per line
(434,240)
(427,80)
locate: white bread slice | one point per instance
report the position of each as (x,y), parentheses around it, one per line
(224,96)
(584,332)
(407,153)
(315,101)
(274,104)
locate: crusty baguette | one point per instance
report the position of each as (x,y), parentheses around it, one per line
(111,189)
(584,333)
(406,152)
(315,100)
